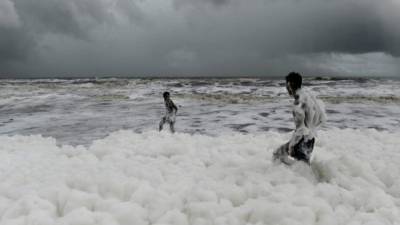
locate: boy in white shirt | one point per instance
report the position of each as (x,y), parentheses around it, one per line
(308,113)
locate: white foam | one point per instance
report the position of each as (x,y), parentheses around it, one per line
(158,178)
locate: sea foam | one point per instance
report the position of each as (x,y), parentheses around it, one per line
(159,178)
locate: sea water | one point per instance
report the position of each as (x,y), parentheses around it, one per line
(87,151)
(76,112)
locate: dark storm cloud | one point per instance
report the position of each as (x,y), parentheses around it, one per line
(309,26)
(37,18)
(15,44)
(195,37)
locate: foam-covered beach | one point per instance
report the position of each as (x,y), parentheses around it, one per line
(159,178)
(86,151)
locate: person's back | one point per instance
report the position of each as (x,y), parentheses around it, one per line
(169,106)
(308,113)
(314,110)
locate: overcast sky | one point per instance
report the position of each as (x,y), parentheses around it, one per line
(199,37)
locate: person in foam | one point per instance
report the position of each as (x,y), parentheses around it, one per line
(170,113)
(309,114)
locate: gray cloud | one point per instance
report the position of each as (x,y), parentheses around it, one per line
(26,22)
(182,3)
(309,26)
(8,15)
(333,64)
(197,37)
(15,44)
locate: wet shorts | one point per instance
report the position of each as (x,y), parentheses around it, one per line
(302,150)
(169,118)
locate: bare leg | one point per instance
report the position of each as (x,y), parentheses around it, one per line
(171,127)
(161,124)
(282,154)
(281,151)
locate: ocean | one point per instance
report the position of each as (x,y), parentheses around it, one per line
(78,111)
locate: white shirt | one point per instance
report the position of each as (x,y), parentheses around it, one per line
(309,114)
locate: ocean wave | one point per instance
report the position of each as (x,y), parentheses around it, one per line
(359,99)
(112,97)
(237,98)
(159,178)
(231,98)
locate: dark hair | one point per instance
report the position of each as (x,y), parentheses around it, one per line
(295,79)
(166,94)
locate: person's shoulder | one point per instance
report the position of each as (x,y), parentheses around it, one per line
(302,94)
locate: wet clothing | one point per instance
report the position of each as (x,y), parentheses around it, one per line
(170,114)
(170,107)
(309,114)
(302,150)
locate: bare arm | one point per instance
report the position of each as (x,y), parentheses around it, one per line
(174,107)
